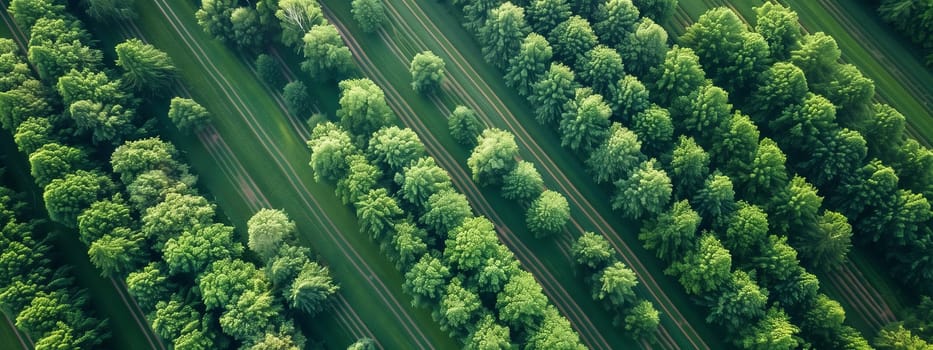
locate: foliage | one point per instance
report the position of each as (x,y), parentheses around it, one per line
(196,248)
(174,215)
(618,20)
(602,69)
(296,18)
(188,115)
(393,148)
(544,15)
(363,108)
(146,69)
(672,234)
(297,99)
(268,230)
(521,303)
(311,289)
(427,71)
(585,123)
(502,34)
(779,26)
(644,193)
(554,332)
(325,52)
(642,320)
(426,281)
(572,39)
(54,161)
(370,14)
(548,214)
(645,48)
(445,210)
(67,197)
(615,283)
(746,229)
(103,217)
(523,183)
(552,92)
(463,126)
(530,64)
(470,244)
(330,146)
(679,75)
(493,157)
(361,177)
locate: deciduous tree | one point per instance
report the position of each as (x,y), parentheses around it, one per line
(585,123)
(615,283)
(779,26)
(746,230)
(67,197)
(679,75)
(296,18)
(463,125)
(593,251)
(196,248)
(493,157)
(548,214)
(427,71)
(312,289)
(572,39)
(672,234)
(422,179)
(705,269)
(470,244)
(325,53)
(188,115)
(268,230)
(146,69)
(370,14)
(502,33)
(521,303)
(363,107)
(552,92)
(330,146)
(426,281)
(646,192)
(544,15)
(530,64)
(445,210)
(523,183)
(645,48)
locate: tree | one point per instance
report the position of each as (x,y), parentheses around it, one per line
(134,158)
(103,217)
(529,65)
(421,179)
(196,248)
(377,212)
(296,18)
(552,92)
(848,88)
(363,107)
(188,115)
(459,309)
(363,344)
(735,151)
(817,56)
(572,39)
(618,19)
(593,251)
(672,234)
(27,12)
(149,285)
(657,10)
(246,30)
(741,303)
(67,197)
(32,134)
(150,188)
(884,133)
(284,267)
(56,47)
(275,342)
(106,123)
(766,173)
(646,192)
(118,253)
(586,8)
(823,320)
(715,201)
(174,215)
(426,280)
(629,98)
(268,70)
(427,71)
(445,210)
(523,183)
(554,332)
(476,12)
(370,14)
(826,245)
(249,318)
(470,244)
(655,130)
(804,124)
(225,280)
(393,148)
(642,320)
(408,245)
(488,334)
(325,52)
(54,161)
(734,57)
(645,48)
(779,26)
(312,289)
(585,123)
(521,303)
(544,15)
(297,99)
(896,337)
(616,283)
(214,18)
(268,230)
(774,331)
(617,156)
(463,126)
(502,34)
(330,146)
(146,69)
(705,269)
(796,206)
(679,75)
(361,178)
(493,157)
(778,267)
(746,230)
(707,114)
(548,214)
(689,167)
(173,315)
(22,102)
(602,69)
(781,86)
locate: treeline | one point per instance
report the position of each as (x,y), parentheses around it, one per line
(453,261)
(134,202)
(38,293)
(726,184)
(914,19)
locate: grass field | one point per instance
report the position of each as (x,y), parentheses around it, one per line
(863,286)
(418,26)
(255,156)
